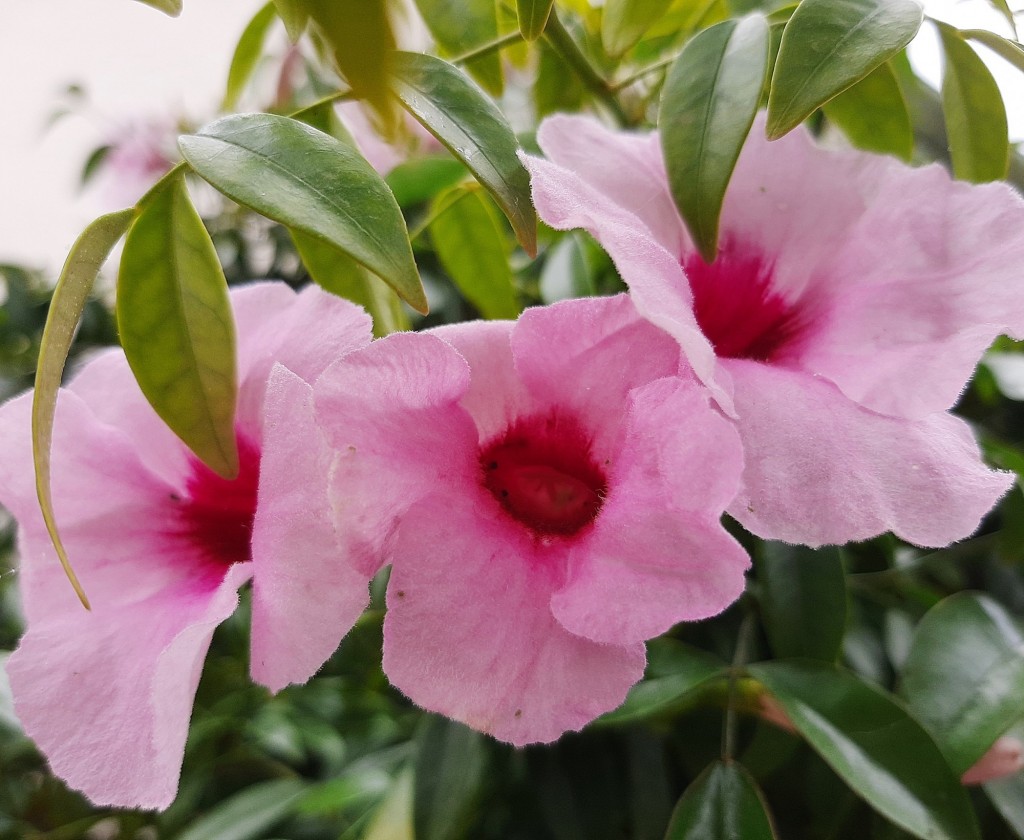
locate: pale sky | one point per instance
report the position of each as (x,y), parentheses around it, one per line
(136,62)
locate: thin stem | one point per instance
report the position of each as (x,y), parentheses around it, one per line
(744,637)
(640,74)
(490,47)
(562,43)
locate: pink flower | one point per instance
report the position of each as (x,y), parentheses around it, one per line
(1004,758)
(542,514)
(850,301)
(162,544)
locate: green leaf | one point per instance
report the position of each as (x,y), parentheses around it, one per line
(416,181)
(873,114)
(470,245)
(874,746)
(462,25)
(247,815)
(974,112)
(1004,9)
(707,107)
(393,819)
(803,600)
(723,803)
(323,116)
(533,17)
(624,22)
(311,182)
(462,117)
(964,675)
(339,274)
(567,272)
(170,7)
(89,252)
(450,765)
(829,45)
(1003,47)
(294,16)
(176,326)
(247,54)
(675,671)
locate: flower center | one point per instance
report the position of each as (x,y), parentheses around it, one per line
(216,513)
(541,471)
(737,308)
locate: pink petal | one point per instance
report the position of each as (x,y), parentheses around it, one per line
(306,596)
(626,167)
(658,555)
(469,634)
(392,414)
(821,469)
(1004,758)
(107,695)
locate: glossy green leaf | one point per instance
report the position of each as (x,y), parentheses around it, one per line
(294,16)
(964,675)
(247,815)
(313,183)
(829,45)
(176,325)
(459,26)
(339,274)
(87,255)
(707,107)
(470,245)
(419,180)
(624,22)
(873,114)
(465,120)
(533,17)
(450,765)
(803,600)
(1009,50)
(723,803)
(874,746)
(247,54)
(974,112)
(169,7)
(674,671)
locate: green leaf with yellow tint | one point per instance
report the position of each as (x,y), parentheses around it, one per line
(89,252)
(168,7)
(533,17)
(624,22)
(247,54)
(176,325)
(1009,50)
(294,17)
(311,182)
(468,123)
(873,114)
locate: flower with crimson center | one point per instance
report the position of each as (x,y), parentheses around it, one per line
(850,300)
(162,544)
(541,517)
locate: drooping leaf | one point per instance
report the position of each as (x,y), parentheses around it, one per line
(723,803)
(169,7)
(974,113)
(964,675)
(294,16)
(462,25)
(624,22)
(803,600)
(341,275)
(707,107)
(674,671)
(450,765)
(465,120)
(247,54)
(416,181)
(873,114)
(89,252)
(1012,51)
(1003,7)
(470,244)
(247,815)
(533,17)
(311,182)
(874,746)
(176,325)
(829,45)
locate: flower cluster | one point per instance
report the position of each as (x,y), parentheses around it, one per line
(549,492)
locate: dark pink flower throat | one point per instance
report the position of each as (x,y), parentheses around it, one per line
(542,473)
(216,514)
(736,307)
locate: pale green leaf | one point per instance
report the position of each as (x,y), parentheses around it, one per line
(247,54)
(624,22)
(533,17)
